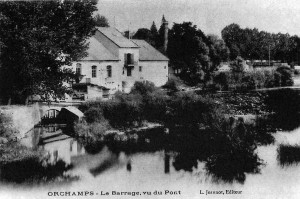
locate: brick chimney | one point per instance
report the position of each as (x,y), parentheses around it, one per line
(166,29)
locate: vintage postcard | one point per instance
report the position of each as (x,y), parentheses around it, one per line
(142,99)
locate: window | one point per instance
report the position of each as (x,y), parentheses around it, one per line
(129,69)
(94,71)
(109,71)
(140,68)
(128,59)
(78,68)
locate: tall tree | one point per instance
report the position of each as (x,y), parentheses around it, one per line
(218,50)
(39,38)
(231,34)
(154,34)
(153,29)
(101,21)
(145,34)
(188,50)
(254,44)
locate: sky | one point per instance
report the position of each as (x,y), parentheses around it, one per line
(211,16)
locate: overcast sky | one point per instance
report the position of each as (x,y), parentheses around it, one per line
(211,16)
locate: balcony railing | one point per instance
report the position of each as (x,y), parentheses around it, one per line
(131,63)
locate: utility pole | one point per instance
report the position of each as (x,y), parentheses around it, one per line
(269,56)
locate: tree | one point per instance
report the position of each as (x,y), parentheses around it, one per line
(254,44)
(101,21)
(39,38)
(188,50)
(145,34)
(154,33)
(218,50)
(237,65)
(285,74)
(153,30)
(231,34)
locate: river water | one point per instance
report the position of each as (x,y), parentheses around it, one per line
(106,169)
(154,171)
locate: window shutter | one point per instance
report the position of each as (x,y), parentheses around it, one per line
(125,58)
(132,59)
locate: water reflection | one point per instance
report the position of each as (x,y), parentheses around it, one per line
(284,103)
(225,157)
(288,155)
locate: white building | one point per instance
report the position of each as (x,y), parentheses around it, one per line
(114,63)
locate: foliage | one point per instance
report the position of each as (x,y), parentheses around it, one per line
(190,109)
(194,53)
(253,44)
(143,88)
(152,35)
(101,21)
(173,84)
(39,37)
(253,79)
(7,129)
(285,74)
(237,65)
(145,34)
(93,115)
(146,102)
(94,130)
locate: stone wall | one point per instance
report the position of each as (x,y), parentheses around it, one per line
(18,120)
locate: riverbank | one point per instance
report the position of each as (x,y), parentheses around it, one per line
(14,151)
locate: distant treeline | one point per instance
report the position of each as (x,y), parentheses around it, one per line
(253,44)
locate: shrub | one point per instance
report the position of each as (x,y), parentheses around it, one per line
(155,106)
(7,129)
(285,76)
(94,114)
(189,109)
(222,80)
(143,88)
(94,131)
(254,79)
(248,82)
(173,84)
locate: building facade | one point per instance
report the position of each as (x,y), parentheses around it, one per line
(115,63)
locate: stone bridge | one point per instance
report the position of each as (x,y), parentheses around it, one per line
(21,118)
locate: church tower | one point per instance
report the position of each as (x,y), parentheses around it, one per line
(165,24)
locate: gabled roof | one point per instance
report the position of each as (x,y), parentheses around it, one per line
(116,37)
(148,52)
(97,51)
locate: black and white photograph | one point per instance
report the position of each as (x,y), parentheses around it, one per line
(150,99)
